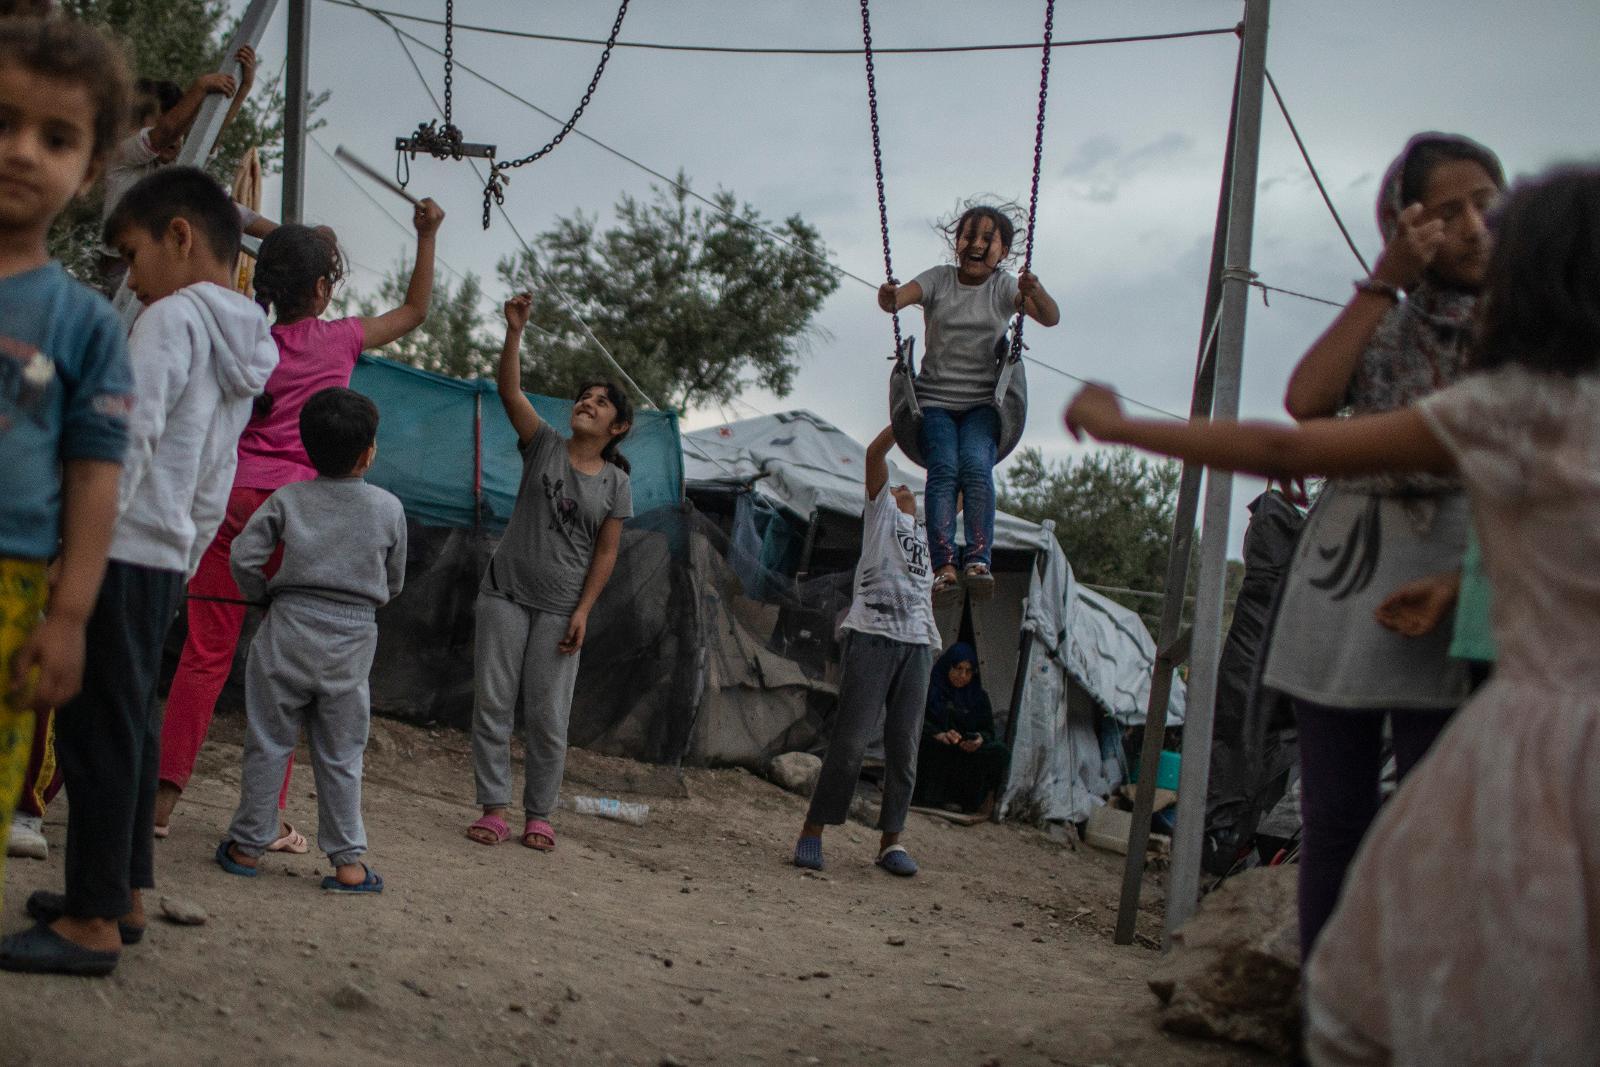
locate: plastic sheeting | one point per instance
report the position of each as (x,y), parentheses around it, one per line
(430,445)
(1089,661)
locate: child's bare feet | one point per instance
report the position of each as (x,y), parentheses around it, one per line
(240,858)
(350,873)
(491,829)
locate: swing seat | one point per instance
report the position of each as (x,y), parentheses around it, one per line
(905,413)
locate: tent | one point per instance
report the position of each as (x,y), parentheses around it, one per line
(714,641)
(1061,663)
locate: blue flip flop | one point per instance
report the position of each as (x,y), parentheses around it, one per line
(896,860)
(372,883)
(229,864)
(808,853)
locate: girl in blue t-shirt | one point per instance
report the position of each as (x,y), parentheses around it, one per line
(966,307)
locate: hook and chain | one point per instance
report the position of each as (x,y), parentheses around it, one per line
(494,188)
(1038,160)
(877,163)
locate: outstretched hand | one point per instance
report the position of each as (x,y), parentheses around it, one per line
(1415,243)
(1093,411)
(1418,607)
(517,311)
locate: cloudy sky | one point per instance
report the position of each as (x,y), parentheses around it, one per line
(1133,151)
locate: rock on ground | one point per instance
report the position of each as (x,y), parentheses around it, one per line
(795,771)
(1234,969)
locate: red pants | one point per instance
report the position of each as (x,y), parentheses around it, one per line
(207,658)
(42,780)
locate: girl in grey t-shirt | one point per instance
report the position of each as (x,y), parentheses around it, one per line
(533,605)
(965,307)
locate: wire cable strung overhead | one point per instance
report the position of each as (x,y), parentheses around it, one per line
(1312,167)
(1025,46)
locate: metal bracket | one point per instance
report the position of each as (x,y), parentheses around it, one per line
(441,143)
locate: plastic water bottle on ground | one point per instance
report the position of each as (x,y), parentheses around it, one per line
(611,808)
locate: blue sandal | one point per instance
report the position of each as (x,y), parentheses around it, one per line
(231,865)
(808,853)
(40,950)
(896,860)
(372,883)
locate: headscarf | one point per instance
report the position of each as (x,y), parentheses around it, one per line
(967,701)
(1421,345)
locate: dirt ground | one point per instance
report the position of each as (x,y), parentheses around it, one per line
(686,941)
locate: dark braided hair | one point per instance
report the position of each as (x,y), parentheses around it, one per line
(292,260)
(612,453)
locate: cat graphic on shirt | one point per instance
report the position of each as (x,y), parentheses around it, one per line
(563,509)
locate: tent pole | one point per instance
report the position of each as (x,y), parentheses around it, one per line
(477,461)
(294,111)
(1170,651)
(1183,884)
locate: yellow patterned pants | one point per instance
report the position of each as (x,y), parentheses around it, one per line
(23,591)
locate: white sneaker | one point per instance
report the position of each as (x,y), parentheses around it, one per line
(26,838)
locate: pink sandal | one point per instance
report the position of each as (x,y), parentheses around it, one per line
(495,825)
(538,830)
(293,842)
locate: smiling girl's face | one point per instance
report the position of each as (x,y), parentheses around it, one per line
(979,249)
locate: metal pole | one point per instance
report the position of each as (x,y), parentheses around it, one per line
(1183,886)
(1168,657)
(294,111)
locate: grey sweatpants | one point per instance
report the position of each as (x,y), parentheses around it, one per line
(308,664)
(516,654)
(883,685)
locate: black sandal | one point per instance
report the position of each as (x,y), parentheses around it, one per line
(40,950)
(47,907)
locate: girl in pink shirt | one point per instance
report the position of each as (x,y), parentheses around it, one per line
(296,272)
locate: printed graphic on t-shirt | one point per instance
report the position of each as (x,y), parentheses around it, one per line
(25,377)
(563,509)
(914,549)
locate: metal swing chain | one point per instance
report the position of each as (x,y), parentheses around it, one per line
(877,162)
(1038,160)
(449,59)
(494,188)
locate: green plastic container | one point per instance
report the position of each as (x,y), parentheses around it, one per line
(1167,771)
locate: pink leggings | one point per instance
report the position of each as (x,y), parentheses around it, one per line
(208,650)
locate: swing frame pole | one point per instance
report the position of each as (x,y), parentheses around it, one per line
(1216,393)
(1183,883)
(294,110)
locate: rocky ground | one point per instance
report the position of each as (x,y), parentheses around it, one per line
(689,940)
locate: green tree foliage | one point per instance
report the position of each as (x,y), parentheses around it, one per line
(687,300)
(176,40)
(454,339)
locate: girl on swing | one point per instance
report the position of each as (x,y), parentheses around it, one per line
(966,307)
(533,604)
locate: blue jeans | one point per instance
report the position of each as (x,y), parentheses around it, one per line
(960,448)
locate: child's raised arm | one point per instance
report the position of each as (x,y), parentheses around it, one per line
(169,129)
(246,58)
(508,375)
(1369,444)
(1039,305)
(895,297)
(877,461)
(379,330)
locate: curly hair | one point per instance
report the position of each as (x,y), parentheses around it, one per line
(293,258)
(1010,222)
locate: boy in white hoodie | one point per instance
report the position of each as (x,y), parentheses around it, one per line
(200,353)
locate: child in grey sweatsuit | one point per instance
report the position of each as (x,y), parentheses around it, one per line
(344,555)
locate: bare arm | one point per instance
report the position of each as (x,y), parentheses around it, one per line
(600,568)
(1369,444)
(508,375)
(55,649)
(877,461)
(1318,385)
(246,58)
(379,330)
(892,297)
(1039,305)
(169,129)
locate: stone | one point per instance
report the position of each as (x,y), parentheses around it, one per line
(352,997)
(896,940)
(182,912)
(1234,969)
(795,771)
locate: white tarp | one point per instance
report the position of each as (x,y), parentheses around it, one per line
(1058,771)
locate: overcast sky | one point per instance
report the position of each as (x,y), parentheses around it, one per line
(1132,160)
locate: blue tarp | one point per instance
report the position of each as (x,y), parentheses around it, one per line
(428,446)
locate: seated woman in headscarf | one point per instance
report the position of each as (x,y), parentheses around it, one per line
(960,761)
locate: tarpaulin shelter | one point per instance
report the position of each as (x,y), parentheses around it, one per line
(1060,662)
